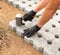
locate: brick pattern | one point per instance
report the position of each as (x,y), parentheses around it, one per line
(48,38)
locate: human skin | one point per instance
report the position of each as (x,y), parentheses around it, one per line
(42,4)
(48,12)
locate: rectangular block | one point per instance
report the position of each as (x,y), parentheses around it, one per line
(20,30)
(46,26)
(16,3)
(27,9)
(55,31)
(5,0)
(30,40)
(56,43)
(40,13)
(50,50)
(37,42)
(12,25)
(10,1)
(22,6)
(58,53)
(53,48)
(46,35)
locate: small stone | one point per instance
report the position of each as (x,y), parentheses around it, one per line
(49,42)
(58,21)
(56,13)
(23,2)
(0,7)
(47,30)
(35,2)
(0,38)
(53,26)
(56,36)
(29,5)
(39,35)
(58,49)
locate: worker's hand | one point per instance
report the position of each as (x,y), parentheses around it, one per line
(31,31)
(29,16)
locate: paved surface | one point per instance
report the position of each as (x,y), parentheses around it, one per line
(48,38)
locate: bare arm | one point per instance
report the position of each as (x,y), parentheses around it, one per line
(41,5)
(49,11)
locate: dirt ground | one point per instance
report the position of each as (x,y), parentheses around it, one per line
(10,43)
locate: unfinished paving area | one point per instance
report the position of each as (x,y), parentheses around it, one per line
(10,42)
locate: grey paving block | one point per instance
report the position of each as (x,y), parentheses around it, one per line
(30,40)
(55,23)
(46,26)
(40,13)
(28,24)
(37,42)
(22,5)
(20,30)
(28,9)
(46,35)
(58,53)
(55,31)
(10,1)
(12,25)
(56,43)
(5,0)
(16,3)
(52,49)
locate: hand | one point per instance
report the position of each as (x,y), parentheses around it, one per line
(29,16)
(31,31)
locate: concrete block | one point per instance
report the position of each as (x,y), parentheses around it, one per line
(53,48)
(39,43)
(28,9)
(46,35)
(46,26)
(50,50)
(58,53)
(30,40)
(22,5)
(55,31)
(5,0)
(10,1)
(55,23)
(20,30)
(56,43)
(28,24)
(16,3)
(12,25)
(40,13)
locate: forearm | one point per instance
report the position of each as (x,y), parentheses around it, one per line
(41,5)
(48,13)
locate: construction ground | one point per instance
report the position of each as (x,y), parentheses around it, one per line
(10,42)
